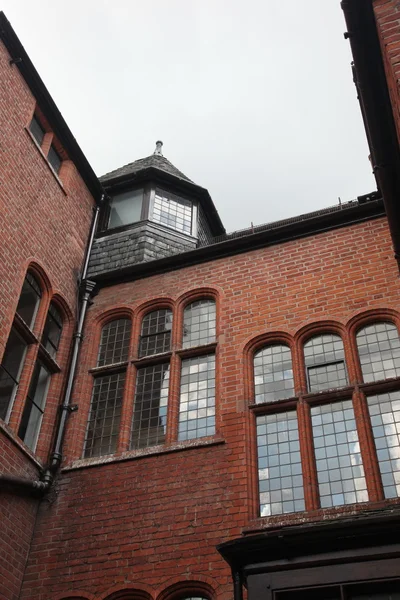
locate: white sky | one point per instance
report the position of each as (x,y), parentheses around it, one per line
(253,100)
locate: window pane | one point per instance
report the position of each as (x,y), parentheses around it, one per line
(126,208)
(385,419)
(52,331)
(324,359)
(54,159)
(29,300)
(337,451)
(199,325)
(114,343)
(156,332)
(37,130)
(150,406)
(379,351)
(105,415)
(273,374)
(172,211)
(34,406)
(197,398)
(280,478)
(10,370)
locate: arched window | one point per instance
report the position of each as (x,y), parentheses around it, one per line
(108,389)
(325,363)
(199,323)
(52,330)
(149,423)
(155,337)
(17,343)
(273,374)
(379,351)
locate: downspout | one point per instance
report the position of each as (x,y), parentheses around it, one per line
(237,585)
(86,287)
(376,108)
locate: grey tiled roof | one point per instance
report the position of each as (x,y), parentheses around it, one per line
(154,160)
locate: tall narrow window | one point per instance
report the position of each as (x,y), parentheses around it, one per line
(37,130)
(337,451)
(156,332)
(108,389)
(273,374)
(384,410)
(52,330)
(379,351)
(29,300)
(197,398)
(325,364)
(199,323)
(279,464)
(10,370)
(150,406)
(54,159)
(34,405)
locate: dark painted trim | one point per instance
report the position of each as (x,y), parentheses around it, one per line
(21,61)
(357,213)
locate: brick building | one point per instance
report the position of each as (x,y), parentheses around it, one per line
(186,413)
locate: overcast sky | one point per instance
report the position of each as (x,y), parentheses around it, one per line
(254,100)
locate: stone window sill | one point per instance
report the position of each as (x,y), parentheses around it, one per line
(144,453)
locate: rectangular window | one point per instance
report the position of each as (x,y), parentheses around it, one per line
(337,451)
(174,212)
(105,415)
(280,476)
(150,406)
(34,406)
(197,399)
(54,159)
(385,419)
(125,208)
(10,370)
(37,130)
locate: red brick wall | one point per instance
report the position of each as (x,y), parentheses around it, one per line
(387,14)
(151,520)
(47,223)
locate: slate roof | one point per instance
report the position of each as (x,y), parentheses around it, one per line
(154,160)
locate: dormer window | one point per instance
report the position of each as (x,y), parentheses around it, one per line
(126,208)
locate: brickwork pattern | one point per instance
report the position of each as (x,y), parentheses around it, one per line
(156,515)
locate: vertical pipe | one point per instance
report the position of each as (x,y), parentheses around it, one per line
(237,585)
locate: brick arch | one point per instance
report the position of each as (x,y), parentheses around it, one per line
(139,591)
(78,595)
(178,590)
(39,271)
(63,307)
(196,294)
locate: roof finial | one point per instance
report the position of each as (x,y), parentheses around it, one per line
(158,150)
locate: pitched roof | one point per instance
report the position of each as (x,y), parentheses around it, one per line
(154,160)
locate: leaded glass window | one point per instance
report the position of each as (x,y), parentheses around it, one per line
(384,410)
(173,211)
(379,351)
(150,406)
(340,470)
(156,332)
(114,343)
(197,398)
(325,362)
(273,374)
(280,476)
(199,323)
(105,415)
(29,300)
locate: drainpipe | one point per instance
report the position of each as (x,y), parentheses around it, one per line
(39,488)
(237,585)
(376,108)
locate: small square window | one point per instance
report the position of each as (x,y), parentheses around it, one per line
(54,159)
(37,130)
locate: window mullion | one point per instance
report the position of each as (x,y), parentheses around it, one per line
(173,399)
(309,468)
(127,409)
(367,447)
